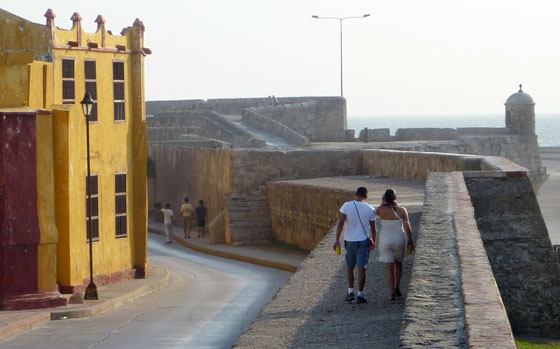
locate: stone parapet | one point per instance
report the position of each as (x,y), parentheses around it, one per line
(255,167)
(452,301)
(302,214)
(170,125)
(417,165)
(434,314)
(425,134)
(252,116)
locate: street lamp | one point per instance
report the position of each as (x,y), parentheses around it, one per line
(91,290)
(340,21)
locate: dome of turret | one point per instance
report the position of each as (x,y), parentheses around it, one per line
(519,98)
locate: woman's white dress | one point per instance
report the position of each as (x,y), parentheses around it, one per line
(392,241)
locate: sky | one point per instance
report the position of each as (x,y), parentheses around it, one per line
(430,57)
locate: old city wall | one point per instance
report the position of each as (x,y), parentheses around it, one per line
(452,300)
(193,172)
(297,218)
(170,125)
(415,165)
(522,149)
(518,246)
(253,168)
(318,118)
(252,116)
(322,120)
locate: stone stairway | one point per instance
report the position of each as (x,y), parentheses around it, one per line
(249,220)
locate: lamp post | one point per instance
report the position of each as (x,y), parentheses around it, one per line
(91,290)
(340,21)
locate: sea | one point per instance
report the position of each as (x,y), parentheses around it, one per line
(547,125)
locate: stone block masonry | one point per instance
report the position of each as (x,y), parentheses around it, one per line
(253,168)
(252,116)
(516,241)
(196,173)
(321,120)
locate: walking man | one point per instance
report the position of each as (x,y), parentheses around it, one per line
(201,214)
(186,212)
(359,240)
(167,222)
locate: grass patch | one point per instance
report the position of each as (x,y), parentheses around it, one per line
(524,344)
(285,246)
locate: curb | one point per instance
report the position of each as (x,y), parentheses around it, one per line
(111,304)
(25,325)
(43,318)
(229,255)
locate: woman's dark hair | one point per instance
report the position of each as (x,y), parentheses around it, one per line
(390,198)
(201,202)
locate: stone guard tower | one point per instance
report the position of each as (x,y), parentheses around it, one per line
(520,113)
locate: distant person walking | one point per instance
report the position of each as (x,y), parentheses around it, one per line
(275,100)
(187,213)
(359,240)
(168,222)
(392,241)
(201,214)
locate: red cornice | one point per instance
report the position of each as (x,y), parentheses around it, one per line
(99,49)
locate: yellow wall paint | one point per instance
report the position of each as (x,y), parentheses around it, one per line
(61,115)
(47,256)
(18,36)
(14,89)
(115,146)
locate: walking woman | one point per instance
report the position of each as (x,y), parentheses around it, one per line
(392,240)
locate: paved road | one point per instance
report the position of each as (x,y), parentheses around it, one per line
(549,193)
(209,302)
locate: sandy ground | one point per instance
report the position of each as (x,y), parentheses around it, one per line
(549,193)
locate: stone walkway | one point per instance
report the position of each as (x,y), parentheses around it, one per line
(310,312)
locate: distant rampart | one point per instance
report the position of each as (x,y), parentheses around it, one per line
(320,119)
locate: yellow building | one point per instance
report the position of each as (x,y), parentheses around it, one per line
(47,69)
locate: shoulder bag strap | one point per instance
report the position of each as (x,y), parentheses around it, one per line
(358,212)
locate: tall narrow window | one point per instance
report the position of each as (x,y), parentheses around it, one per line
(120,204)
(118,90)
(91,86)
(94,209)
(68,83)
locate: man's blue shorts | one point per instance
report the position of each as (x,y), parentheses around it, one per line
(357,252)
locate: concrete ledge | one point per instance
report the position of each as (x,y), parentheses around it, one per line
(229,255)
(453,300)
(106,305)
(13,323)
(16,323)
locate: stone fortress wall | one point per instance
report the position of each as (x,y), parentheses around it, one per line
(315,118)
(247,173)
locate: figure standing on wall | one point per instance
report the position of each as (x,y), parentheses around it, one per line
(359,240)
(270,101)
(168,222)
(392,243)
(201,214)
(275,100)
